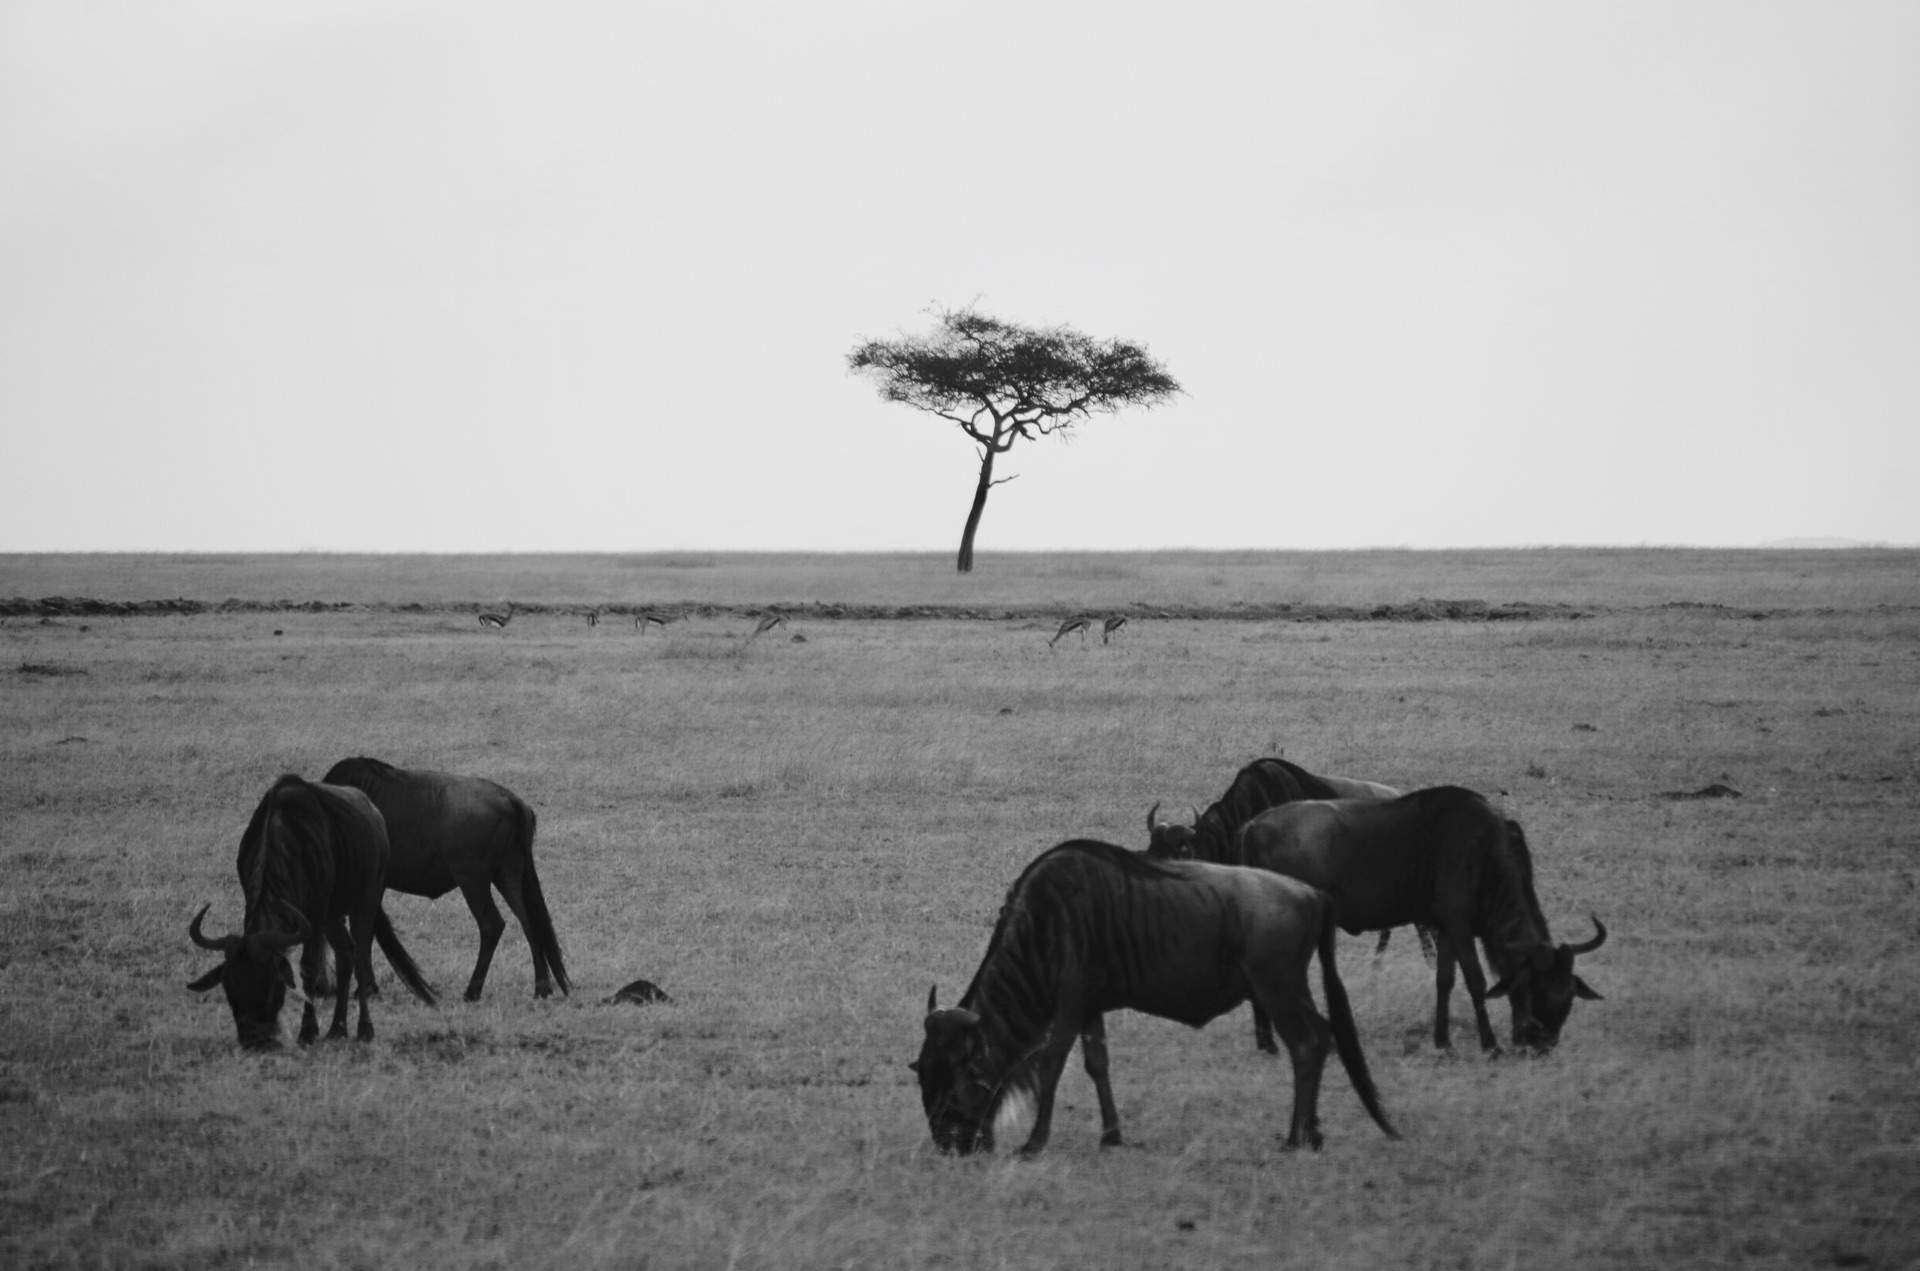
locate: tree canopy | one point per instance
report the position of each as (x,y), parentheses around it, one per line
(1002,382)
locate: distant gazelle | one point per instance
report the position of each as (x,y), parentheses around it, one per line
(768,623)
(498,620)
(642,621)
(1070,625)
(1112,627)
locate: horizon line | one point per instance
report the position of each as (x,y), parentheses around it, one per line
(1809,543)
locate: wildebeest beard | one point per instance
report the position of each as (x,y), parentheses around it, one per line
(973,1096)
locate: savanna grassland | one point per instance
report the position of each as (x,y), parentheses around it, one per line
(795,835)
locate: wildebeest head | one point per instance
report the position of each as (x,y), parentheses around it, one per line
(1542,989)
(1169,842)
(955,1088)
(255,975)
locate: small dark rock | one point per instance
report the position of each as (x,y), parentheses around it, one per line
(1714,791)
(639,993)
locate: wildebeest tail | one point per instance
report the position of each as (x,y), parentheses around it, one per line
(399,959)
(1346,1037)
(542,934)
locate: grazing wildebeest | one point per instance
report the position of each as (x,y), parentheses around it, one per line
(466,832)
(1444,857)
(1089,928)
(1068,627)
(312,863)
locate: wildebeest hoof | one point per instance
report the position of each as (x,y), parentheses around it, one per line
(473,995)
(543,990)
(639,993)
(1111,1139)
(337,1033)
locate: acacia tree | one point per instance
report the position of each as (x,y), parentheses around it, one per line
(1002,383)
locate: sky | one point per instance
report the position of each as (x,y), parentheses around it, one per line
(401,276)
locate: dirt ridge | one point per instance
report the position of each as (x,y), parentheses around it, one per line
(1421,610)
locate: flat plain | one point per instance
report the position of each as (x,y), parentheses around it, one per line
(796,834)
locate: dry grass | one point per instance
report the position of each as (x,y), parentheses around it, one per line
(794,838)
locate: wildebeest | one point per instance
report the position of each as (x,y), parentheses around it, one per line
(312,863)
(1089,928)
(449,831)
(1444,857)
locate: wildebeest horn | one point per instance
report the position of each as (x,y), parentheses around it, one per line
(1600,938)
(222,945)
(933,997)
(959,1015)
(1151,825)
(1195,809)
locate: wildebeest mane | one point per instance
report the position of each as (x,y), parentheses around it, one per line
(1507,900)
(364,772)
(294,859)
(1037,919)
(1017,907)
(269,862)
(1262,784)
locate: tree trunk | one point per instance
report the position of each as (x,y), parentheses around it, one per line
(973,516)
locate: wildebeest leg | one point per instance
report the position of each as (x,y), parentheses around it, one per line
(313,963)
(1443,987)
(1457,947)
(363,972)
(1051,1061)
(509,884)
(344,965)
(1477,990)
(1263,1030)
(486,915)
(1093,1049)
(1308,1038)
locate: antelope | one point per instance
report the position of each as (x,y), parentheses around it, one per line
(499,620)
(1071,624)
(768,623)
(1112,627)
(642,621)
